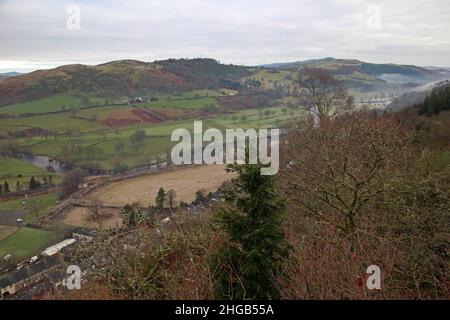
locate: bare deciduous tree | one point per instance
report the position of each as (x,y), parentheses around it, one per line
(322,94)
(71,181)
(171,195)
(334,170)
(95,213)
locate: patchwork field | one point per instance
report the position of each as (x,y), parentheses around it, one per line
(185,182)
(156,143)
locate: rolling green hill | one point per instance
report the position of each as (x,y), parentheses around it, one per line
(81,85)
(121,78)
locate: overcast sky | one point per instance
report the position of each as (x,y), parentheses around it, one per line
(42,34)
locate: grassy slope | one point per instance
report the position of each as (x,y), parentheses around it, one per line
(269,77)
(49,104)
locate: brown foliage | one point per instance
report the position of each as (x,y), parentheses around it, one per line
(377,170)
(143,264)
(401,226)
(71,181)
(342,166)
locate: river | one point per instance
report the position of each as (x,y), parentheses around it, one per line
(43,162)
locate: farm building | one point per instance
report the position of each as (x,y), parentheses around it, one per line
(51,251)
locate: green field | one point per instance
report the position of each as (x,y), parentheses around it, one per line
(64,121)
(74,136)
(41,205)
(157,141)
(50,104)
(9,167)
(12,205)
(60,103)
(35,206)
(60,122)
(13,170)
(26,242)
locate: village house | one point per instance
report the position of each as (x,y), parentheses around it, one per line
(27,276)
(82,234)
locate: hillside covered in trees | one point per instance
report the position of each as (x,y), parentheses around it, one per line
(437,101)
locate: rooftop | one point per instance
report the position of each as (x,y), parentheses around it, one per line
(50,251)
(27,271)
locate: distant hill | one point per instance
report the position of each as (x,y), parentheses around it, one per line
(445,72)
(9,75)
(369,76)
(122,78)
(295,64)
(128,78)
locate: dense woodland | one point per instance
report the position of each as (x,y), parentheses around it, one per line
(436,102)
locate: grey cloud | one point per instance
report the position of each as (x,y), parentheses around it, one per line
(34,33)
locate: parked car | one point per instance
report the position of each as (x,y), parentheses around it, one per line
(19,220)
(34,259)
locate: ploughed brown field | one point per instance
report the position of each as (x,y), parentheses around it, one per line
(79,217)
(129,117)
(185,181)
